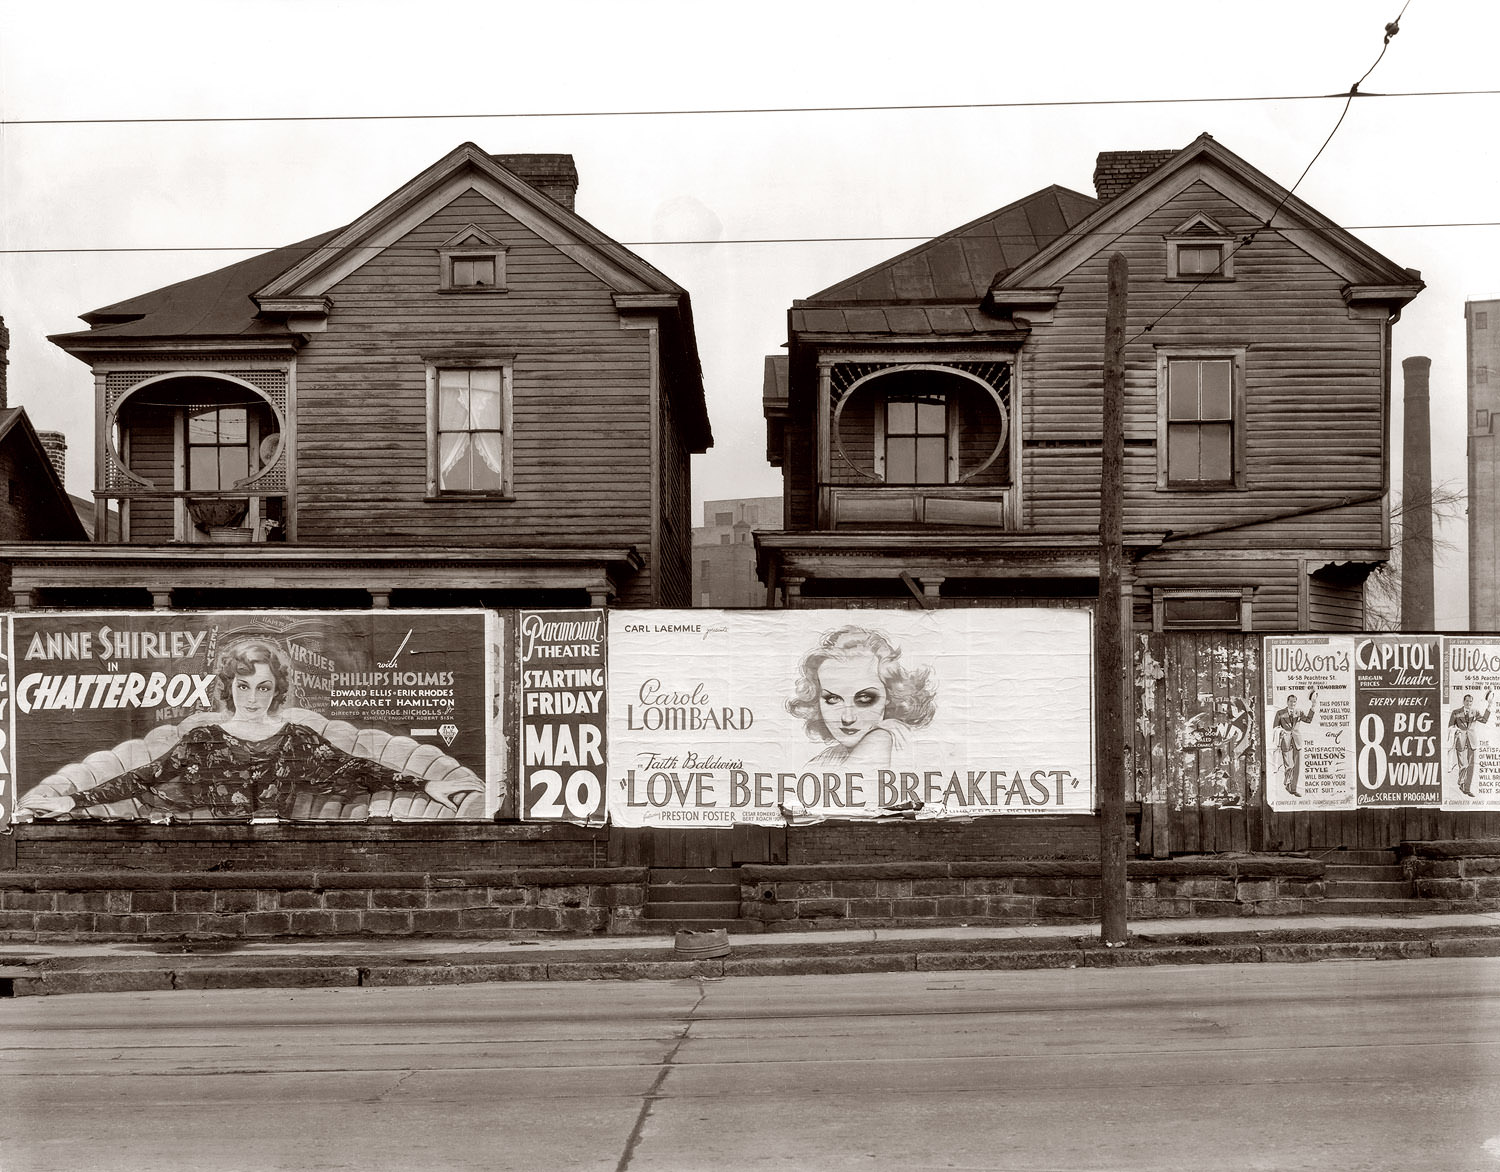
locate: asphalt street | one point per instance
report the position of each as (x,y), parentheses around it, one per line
(1347,1065)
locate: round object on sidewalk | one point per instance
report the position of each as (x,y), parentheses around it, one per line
(702,945)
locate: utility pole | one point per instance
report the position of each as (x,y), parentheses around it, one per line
(1109,667)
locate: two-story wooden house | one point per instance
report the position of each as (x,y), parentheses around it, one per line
(467,396)
(937,417)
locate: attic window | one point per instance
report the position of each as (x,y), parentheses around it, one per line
(473,261)
(1200,250)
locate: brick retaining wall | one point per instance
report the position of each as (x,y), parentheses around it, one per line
(1042,836)
(302,846)
(119,905)
(912,894)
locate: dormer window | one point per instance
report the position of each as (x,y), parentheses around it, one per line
(1200,250)
(473,261)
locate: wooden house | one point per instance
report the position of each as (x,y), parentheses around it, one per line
(468,395)
(937,417)
(33,504)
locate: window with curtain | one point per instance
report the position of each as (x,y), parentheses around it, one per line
(470,429)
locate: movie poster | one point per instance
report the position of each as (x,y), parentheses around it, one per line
(562,707)
(256,715)
(7,737)
(1309,703)
(771,717)
(1397,720)
(1471,748)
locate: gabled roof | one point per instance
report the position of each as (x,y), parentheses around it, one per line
(464,168)
(1367,272)
(960,266)
(275,297)
(60,522)
(224,303)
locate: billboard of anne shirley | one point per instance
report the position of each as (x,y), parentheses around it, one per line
(718,717)
(258,714)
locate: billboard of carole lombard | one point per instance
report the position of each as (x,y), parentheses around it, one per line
(719,717)
(256,715)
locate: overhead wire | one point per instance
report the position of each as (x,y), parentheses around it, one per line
(737,240)
(1391,29)
(709,111)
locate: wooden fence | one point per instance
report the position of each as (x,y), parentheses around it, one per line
(1197,761)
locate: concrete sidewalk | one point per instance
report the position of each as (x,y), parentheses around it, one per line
(51,968)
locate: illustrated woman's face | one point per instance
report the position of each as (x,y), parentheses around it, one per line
(252,694)
(851,697)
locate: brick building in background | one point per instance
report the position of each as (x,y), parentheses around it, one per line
(724,551)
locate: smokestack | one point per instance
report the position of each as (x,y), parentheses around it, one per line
(55,444)
(1416,500)
(4,364)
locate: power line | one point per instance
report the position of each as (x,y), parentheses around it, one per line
(1391,30)
(709,111)
(740,240)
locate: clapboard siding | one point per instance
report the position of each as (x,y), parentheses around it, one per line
(153,457)
(1312,393)
(799,473)
(1274,583)
(675,551)
(1335,606)
(1313,422)
(581,424)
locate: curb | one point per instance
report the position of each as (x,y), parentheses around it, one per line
(138,974)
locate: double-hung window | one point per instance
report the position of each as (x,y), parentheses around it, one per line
(1200,419)
(468,413)
(916,439)
(218,447)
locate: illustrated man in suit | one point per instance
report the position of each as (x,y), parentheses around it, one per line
(1465,738)
(1289,737)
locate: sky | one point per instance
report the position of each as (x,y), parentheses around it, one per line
(581,77)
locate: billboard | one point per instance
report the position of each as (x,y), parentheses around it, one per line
(560,655)
(1471,748)
(723,717)
(256,715)
(1309,701)
(1357,721)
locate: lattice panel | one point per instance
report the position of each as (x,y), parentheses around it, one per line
(996,375)
(271,383)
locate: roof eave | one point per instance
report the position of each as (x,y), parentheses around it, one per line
(87,346)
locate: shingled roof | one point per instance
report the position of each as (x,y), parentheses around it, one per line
(219,304)
(959,266)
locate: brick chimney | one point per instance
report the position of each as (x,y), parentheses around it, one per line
(55,444)
(4,365)
(554,176)
(1118,171)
